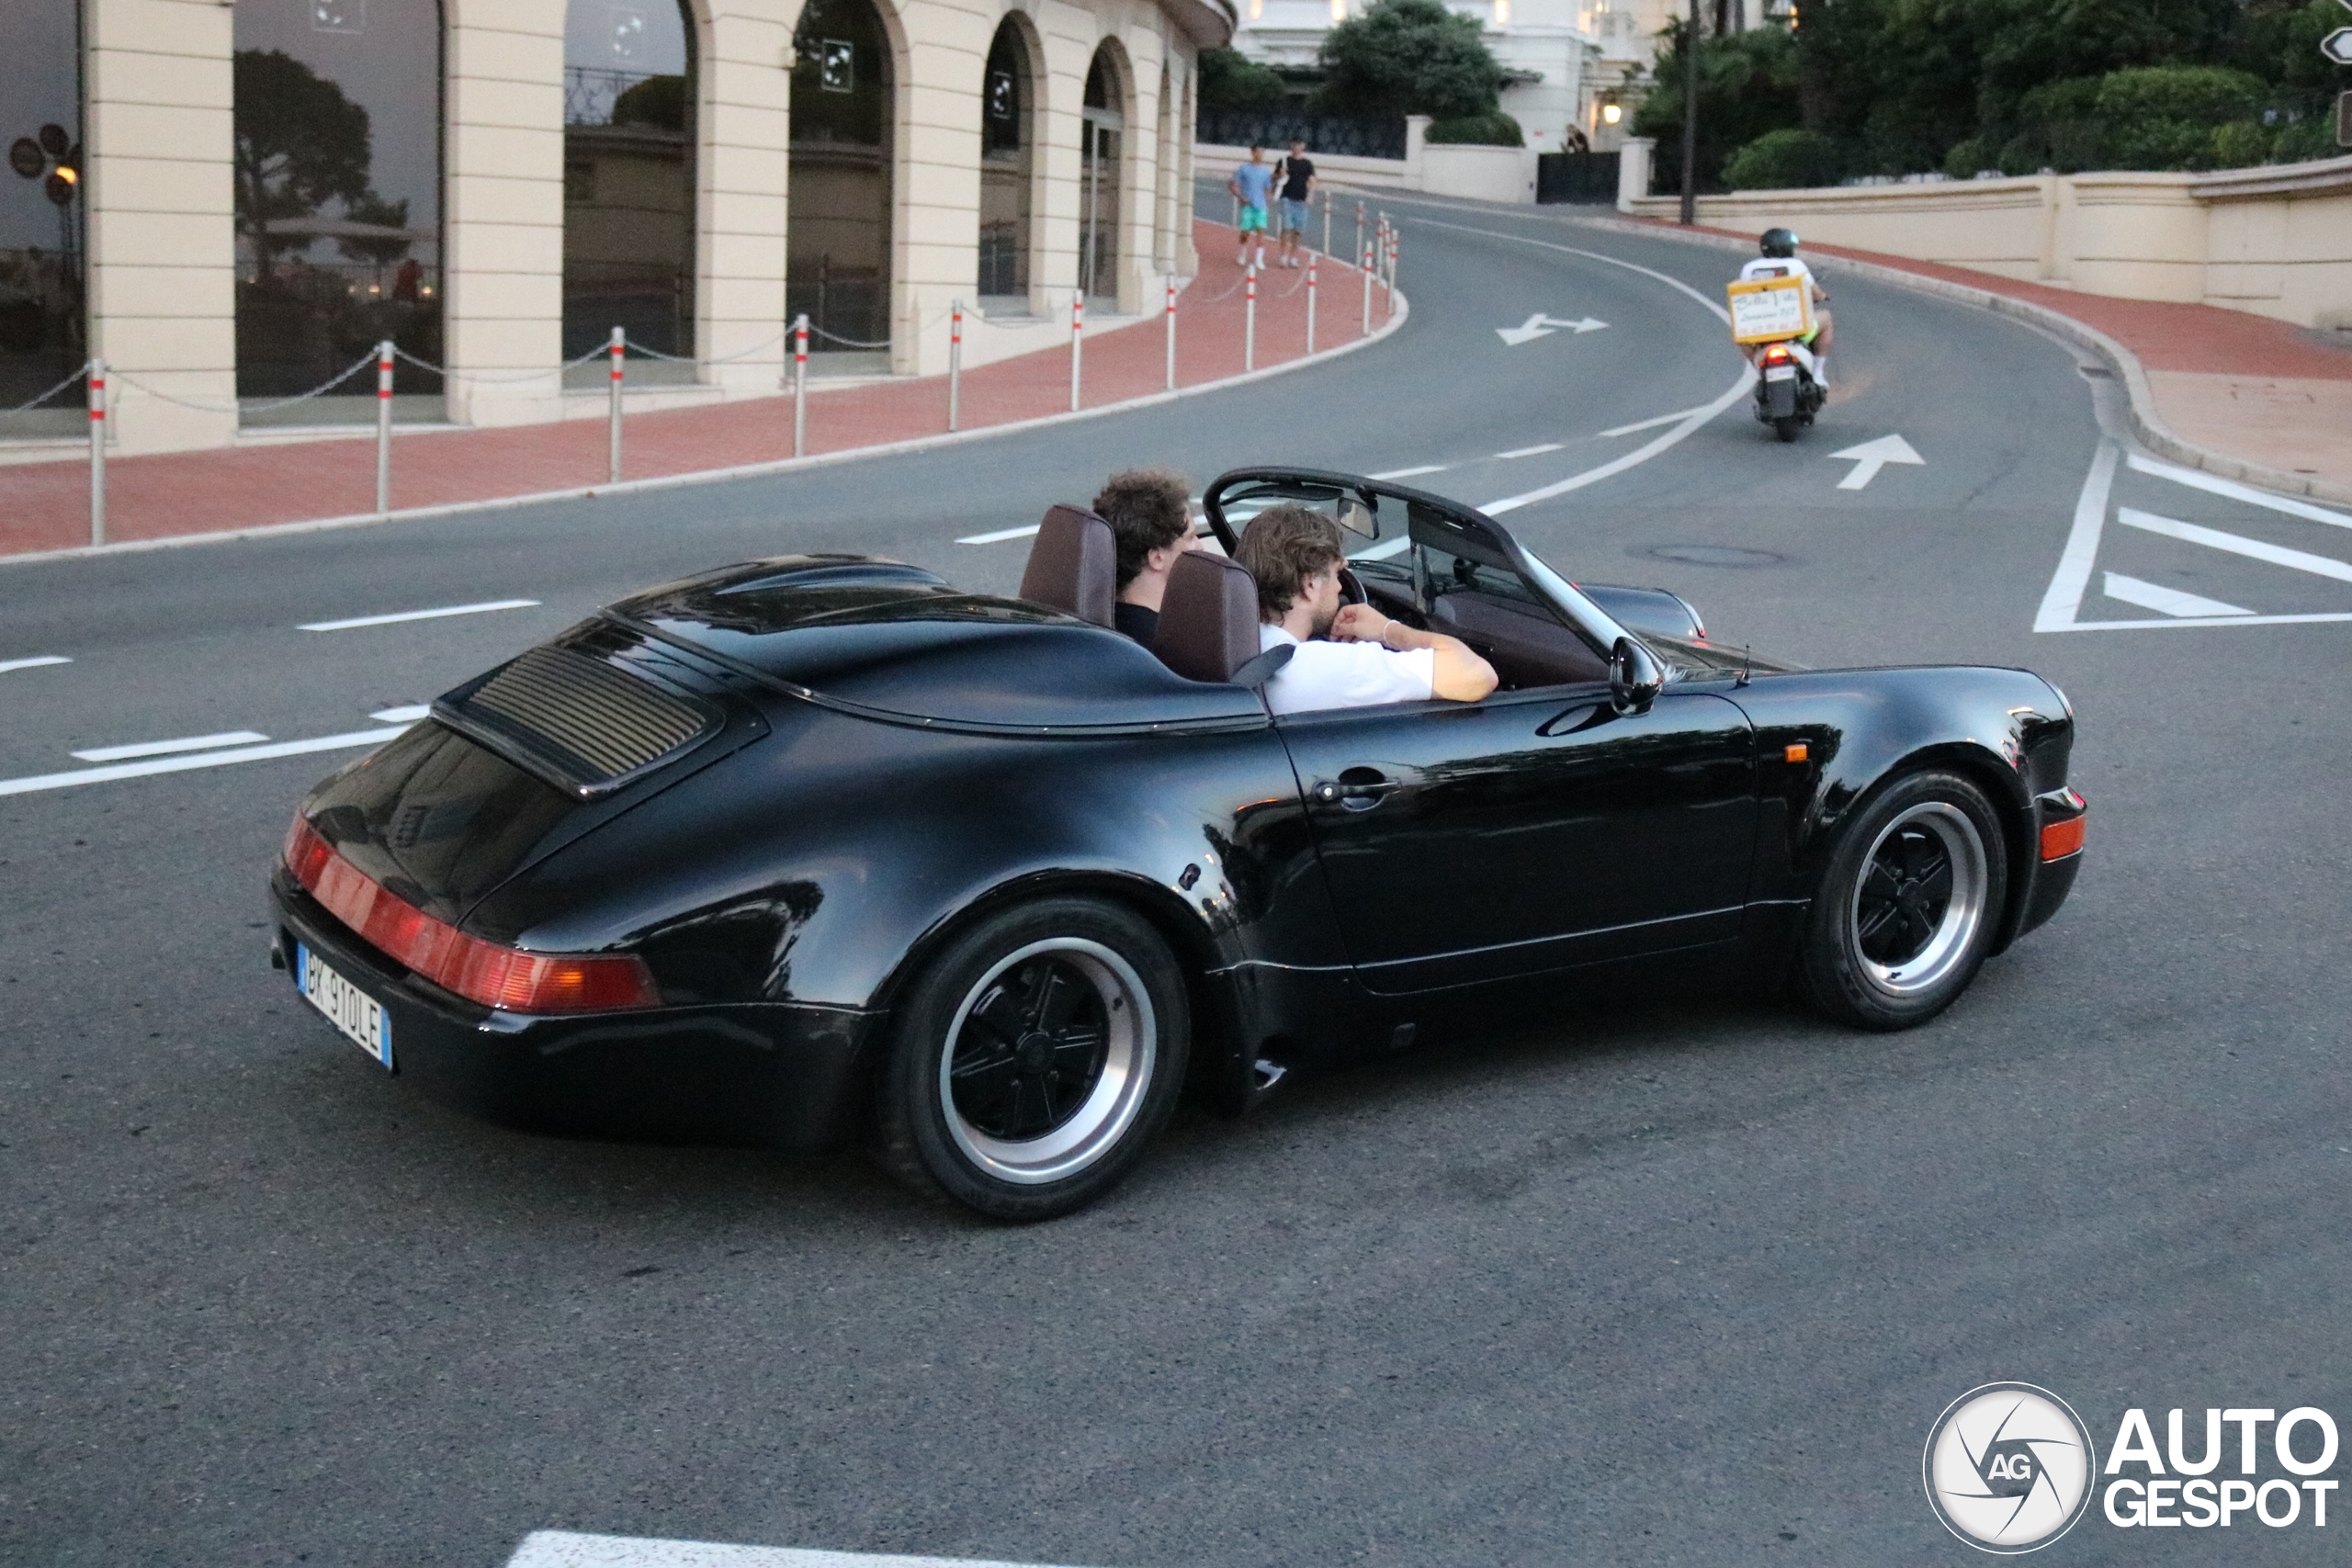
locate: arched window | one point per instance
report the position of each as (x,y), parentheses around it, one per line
(43,317)
(628,177)
(337,172)
(1008,100)
(1104,125)
(837,231)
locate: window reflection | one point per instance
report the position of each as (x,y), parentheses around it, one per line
(628,181)
(1004,165)
(42,307)
(837,241)
(338,176)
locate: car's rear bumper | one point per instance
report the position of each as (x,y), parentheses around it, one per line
(777,1075)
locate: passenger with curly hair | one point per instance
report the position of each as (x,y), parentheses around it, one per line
(1151,514)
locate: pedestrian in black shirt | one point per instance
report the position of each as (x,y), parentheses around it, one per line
(1296,177)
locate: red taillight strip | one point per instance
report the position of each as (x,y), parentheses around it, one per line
(481,971)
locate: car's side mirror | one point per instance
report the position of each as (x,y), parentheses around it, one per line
(1635,677)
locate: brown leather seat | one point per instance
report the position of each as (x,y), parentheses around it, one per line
(1074,565)
(1208,621)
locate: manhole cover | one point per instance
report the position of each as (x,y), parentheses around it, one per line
(1711,555)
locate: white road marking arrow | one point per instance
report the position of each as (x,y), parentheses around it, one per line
(1872,455)
(1541,325)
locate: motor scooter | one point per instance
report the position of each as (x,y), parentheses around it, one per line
(1787,396)
(1771,318)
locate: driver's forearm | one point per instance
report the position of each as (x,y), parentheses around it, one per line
(1459,674)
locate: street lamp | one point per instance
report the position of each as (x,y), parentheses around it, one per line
(1612,112)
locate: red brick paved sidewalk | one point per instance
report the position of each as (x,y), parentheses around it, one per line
(45,506)
(2270,395)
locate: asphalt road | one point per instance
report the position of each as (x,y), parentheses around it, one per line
(1685,1283)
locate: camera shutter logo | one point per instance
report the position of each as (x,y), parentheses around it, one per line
(2008,1467)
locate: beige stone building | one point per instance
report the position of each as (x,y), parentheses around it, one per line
(256,192)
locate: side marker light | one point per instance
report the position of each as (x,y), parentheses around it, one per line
(1796,754)
(2060,840)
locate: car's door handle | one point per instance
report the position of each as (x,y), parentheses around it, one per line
(1358,789)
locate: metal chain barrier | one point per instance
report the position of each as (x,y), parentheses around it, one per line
(847,341)
(242,407)
(79,371)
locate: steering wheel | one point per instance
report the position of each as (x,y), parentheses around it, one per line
(1351,588)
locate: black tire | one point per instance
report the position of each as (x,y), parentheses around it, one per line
(1035,1058)
(1908,905)
(1786,429)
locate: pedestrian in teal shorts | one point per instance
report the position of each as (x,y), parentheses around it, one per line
(1252,183)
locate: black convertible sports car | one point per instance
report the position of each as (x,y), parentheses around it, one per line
(823,841)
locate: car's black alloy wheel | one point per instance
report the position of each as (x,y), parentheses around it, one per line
(1034,1059)
(1908,904)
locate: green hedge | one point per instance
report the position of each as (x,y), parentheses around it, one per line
(1785,160)
(1496,129)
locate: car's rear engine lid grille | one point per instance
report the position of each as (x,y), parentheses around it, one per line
(584,724)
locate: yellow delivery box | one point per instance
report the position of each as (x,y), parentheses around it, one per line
(1769,309)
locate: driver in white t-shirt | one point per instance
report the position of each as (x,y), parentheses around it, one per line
(1348,656)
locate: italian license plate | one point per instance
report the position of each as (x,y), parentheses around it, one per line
(360,1016)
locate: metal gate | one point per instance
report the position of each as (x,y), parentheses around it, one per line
(1577,177)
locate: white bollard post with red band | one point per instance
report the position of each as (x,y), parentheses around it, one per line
(1364,256)
(617,347)
(384,427)
(1311,259)
(1077,331)
(1249,321)
(800,384)
(98,451)
(1171,332)
(954,361)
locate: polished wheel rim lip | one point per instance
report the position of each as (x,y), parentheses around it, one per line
(1093,1129)
(1947,945)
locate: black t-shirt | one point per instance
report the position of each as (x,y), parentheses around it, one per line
(1134,621)
(1296,171)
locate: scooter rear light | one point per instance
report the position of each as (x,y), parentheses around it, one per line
(502,977)
(1776,354)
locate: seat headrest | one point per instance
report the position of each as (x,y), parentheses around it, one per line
(1208,621)
(1074,565)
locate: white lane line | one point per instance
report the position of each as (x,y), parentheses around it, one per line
(2063,597)
(2235,491)
(1386,547)
(564,1548)
(166,748)
(2236,544)
(8,664)
(2165,601)
(40,782)
(408,714)
(1408,473)
(356,622)
(1721,313)
(1648,423)
(2200,621)
(1532,451)
(1641,454)
(1001,535)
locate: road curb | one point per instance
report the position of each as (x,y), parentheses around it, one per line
(712,476)
(2147,427)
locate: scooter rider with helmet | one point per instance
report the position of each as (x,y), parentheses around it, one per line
(1779,260)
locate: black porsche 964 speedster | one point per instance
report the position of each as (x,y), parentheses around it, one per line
(822,842)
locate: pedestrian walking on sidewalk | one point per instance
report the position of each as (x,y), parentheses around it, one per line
(1296,175)
(1252,184)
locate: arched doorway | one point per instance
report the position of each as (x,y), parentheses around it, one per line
(337,194)
(628,177)
(837,233)
(1104,125)
(1006,166)
(43,315)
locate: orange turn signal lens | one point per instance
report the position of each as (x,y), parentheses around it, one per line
(1796,754)
(2060,840)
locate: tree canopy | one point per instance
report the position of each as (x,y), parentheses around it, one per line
(1409,57)
(299,144)
(1905,86)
